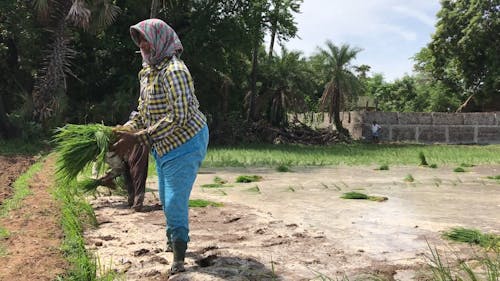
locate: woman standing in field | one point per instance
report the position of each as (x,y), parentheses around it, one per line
(170,122)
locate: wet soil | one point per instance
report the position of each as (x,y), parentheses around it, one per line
(295,226)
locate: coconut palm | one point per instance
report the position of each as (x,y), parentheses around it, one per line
(58,16)
(342,82)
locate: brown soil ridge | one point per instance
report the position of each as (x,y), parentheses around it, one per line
(35,235)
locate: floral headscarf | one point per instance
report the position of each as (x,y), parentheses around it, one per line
(165,42)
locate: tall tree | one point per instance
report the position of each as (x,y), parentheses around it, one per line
(342,83)
(58,16)
(464,53)
(281,21)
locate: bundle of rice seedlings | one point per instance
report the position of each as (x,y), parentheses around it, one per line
(88,184)
(423,161)
(78,146)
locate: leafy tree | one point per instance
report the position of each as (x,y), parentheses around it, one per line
(463,53)
(343,82)
(281,21)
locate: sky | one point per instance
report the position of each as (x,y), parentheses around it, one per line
(389,32)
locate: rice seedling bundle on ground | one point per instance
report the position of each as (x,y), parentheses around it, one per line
(78,146)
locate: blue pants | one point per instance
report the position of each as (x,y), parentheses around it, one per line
(177,171)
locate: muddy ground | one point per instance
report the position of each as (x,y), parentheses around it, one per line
(295,226)
(32,236)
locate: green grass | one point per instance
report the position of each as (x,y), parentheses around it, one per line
(21,189)
(4,234)
(423,161)
(248,178)
(18,146)
(433,166)
(474,236)
(384,167)
(480,268)
(409,178)
(459,170)
(348,154)
(362,196)
(200,203)
(76,215)
(283,169)
(497,177)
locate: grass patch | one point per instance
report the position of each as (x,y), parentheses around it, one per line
(23,147)
(4,234)
(253,155)
(423,161)
(409,178)
(384,167)
(283,169)
(474,236)
(459,170)
(497,177)
(76,215)
(254,189)
(21,189)
(486,267)
(362,196)
(200,203)
(212,185)
(246,178)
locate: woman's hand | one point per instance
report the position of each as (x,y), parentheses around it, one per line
(126,141)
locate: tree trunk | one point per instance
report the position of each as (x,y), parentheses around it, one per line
(336,112)
(6,129)
(273,37)
(253,83)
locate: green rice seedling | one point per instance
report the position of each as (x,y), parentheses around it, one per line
(423,161)
(200,203)
(283,169)
(487,267)
(377,198)
(254,189)
(354,195)
(212,185)
(433,166)
(466,165)
(21,189)
(88,185)
(291,189)
(4,233)
(474,236)
(384,167)
(497,177)
(247,179)
(78,146)
(459,170)
(409,178)
(219,180)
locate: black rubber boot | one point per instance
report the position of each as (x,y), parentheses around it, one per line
(168,247)
(179,249)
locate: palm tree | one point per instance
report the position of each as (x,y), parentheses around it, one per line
(342,82)
(58,16)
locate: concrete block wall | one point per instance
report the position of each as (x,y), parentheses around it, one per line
(435,127)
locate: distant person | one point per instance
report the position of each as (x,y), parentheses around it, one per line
(375,131)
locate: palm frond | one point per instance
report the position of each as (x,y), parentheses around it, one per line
(79,14)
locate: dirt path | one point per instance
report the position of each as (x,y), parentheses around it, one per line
(294,226)
(33,245)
